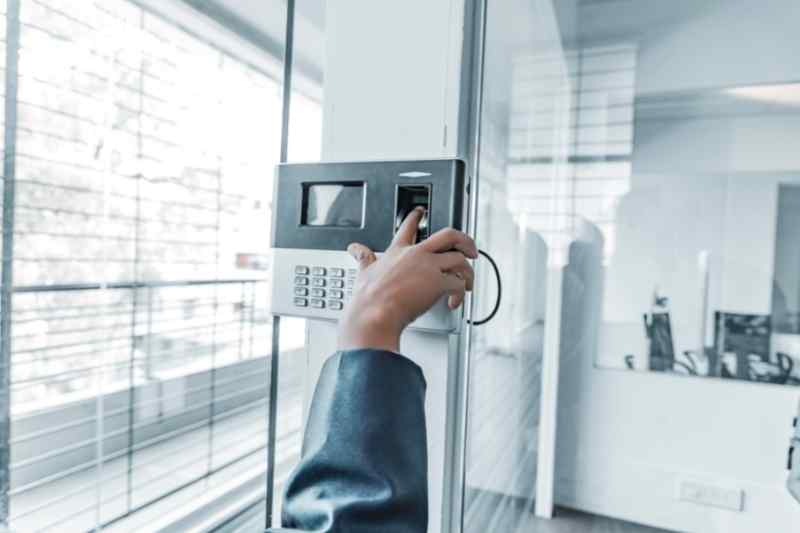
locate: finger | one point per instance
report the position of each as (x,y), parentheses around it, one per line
(362,254)
(448,239)
(455,300)
(455,286)
(407,232)
(465,272)
(456,262)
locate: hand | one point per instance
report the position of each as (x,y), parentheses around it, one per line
(391,292)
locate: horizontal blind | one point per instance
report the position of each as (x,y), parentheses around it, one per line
(144,169)
(571,139)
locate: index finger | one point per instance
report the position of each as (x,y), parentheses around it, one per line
(407,232)
(448,239)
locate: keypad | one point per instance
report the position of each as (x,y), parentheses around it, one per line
(323,288)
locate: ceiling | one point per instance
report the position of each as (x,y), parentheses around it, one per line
(267,19)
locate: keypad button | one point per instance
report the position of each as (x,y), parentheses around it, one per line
(336,283)
(318,282)
(335,294)
(301,270)
(319,304)
(337,272)
(350,283)
(318,271)
(299,280)
(335,305)
(300,291)
(318,293)
(301,302)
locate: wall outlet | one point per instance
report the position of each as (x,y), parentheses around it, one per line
(711,495)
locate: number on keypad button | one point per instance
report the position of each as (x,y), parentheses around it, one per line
(301,270)
(318,293)
(319,304)
(300,291)
(318,271)
(333,304)
(336,283)
(299,280)
(318,282)
(335,294)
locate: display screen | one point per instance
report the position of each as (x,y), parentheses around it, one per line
(339,205)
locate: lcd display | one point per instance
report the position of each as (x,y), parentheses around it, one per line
(339,205)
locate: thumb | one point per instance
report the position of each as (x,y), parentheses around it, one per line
(363,255)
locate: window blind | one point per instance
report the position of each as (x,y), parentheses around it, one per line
(139,335)
(571,138)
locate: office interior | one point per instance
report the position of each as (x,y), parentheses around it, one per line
(632,166)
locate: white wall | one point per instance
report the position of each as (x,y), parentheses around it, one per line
(624,438)
(392,79)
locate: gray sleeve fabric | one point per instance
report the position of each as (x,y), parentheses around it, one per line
(364,463)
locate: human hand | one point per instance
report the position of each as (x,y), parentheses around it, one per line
(407,280)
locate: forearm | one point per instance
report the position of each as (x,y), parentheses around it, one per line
(364,461)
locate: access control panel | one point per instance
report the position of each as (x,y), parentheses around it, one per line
(321,208)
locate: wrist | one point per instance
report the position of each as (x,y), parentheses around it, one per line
(368,327)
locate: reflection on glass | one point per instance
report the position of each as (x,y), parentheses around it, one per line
(647,152)
(522,222)
(709,173)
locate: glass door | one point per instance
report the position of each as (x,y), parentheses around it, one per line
(522,220)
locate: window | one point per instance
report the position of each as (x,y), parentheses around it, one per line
(139,368)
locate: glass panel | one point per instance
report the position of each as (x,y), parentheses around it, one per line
(521,223)
(140,362)
(305,144)
(650,149)
(690,163)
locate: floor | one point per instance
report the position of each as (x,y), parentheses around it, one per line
(565,521)
(496,512)
(570,521)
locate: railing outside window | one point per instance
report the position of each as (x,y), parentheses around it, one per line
(179,406)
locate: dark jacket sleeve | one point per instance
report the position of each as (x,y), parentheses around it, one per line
(364,463)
